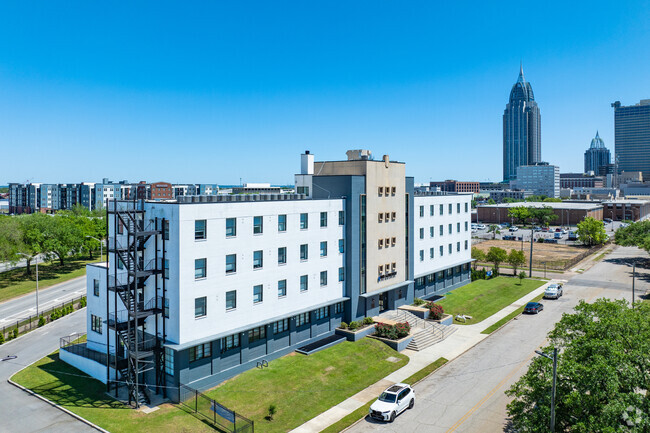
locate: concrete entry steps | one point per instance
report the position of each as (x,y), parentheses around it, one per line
(425,333)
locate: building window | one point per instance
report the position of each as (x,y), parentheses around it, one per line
(431,231)
(323,219)
(393,216)
(200,307)
(304,252)
(380,191)
(393,190)
(166,230)
(323,249)
(442,251)
(431,210)
(458,227)
(304,221)
(323,278)
(338,308)
(450,209)
(449,249)
(421,255)
(303,190)
(431,253)
(120,227)
(166,269)
(322,313)
(231,227)
(231,300)
(380,243)
(199,268)
(304,284)
(465,244)
(281,326)
(380,270)
(341,246)
(380,217)
(458,246)
(421,232)
(441,210)
(120,265)
(282,288)
(282,223)
(258,259)
(341,218)
(393,241)
(258,225)
(457,207)
(419,282)
(258,296)
(96,323)
(256,334)
(282,255)
(230,342)
(169,361)
(199,352)
(200,231)
(302,319)
(341,274)
(421,211)
(96,287)
(166,309)
(450,230)
(231,263)
(442,230)
(466,207)
(466,226)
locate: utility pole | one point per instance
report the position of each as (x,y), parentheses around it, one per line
(530,260)
(554,358)
(633,275)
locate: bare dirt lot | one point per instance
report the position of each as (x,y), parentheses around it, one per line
(556,256)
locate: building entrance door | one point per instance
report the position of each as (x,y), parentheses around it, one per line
(383,302)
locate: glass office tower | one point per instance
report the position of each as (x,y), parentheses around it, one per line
(597,155)
(522,142)
(632,137)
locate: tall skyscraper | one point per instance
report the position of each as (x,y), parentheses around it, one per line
(632,137)
(522,141)
(597,155)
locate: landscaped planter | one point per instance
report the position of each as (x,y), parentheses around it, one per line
(357,334)
(447,319)
(397,345)
(421,312)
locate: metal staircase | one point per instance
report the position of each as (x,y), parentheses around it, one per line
(425,333)
(139,350)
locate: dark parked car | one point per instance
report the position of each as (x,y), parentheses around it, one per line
(533,307)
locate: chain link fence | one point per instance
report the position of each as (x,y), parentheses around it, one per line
(222,418)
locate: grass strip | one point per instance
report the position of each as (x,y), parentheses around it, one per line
(509,317)
(16,283)
(361,413)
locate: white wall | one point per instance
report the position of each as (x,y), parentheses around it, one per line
(91,368)
(439,262)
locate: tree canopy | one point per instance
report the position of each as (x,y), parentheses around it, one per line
(603,373)
(496,256)
(526,214)
(516,258)
(591,232)
(635,235)
(478,255)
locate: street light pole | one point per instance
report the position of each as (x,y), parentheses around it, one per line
(554,358)
(633,275)
(35,258)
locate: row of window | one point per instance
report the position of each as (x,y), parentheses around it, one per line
(200,265)
(440,276)
(201,231)
(389,268)
(386,191)
(388,242)
(386,216)
(442,229)
(234,341)
(201,308)
(442,250)
(441,211)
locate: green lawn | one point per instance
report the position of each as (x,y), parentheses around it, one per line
(15,283)
(509,317)
(482,298)
(77,392)
(302,386)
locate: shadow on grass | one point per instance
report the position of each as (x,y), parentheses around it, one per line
(202,418)
(46,272)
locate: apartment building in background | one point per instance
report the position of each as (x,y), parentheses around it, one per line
(541,179)
(219,283)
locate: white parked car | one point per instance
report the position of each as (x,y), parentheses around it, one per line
(553,291)
(514,228)
(395,400)
(481,227)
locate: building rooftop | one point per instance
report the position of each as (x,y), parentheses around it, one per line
(553,205)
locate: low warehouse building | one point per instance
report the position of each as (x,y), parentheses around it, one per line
(567,213)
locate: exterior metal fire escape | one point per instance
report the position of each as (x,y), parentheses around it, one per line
(139,352)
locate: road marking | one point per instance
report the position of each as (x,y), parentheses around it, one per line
(484,399)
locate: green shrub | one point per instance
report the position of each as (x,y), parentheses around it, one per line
(272,411)
(392,332)
(2,337)
(353,325)
(368,321)
(343,325)
(41,321)
(83,302)
(15,332)
(418,302)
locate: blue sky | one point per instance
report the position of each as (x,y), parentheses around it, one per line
(217,91)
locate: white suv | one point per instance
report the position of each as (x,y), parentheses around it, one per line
(395,400)
(553,291)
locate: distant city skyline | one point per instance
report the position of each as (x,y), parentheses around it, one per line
(223,91)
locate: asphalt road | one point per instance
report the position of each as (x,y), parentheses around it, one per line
(21,412)
(467,395)
(24,306)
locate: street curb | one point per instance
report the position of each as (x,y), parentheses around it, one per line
(40,290)
(51,403)
(42,327)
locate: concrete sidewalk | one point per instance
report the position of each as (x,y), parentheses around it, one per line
(465,337)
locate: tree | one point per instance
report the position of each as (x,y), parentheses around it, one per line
(602,374)
(636,234)
(515,259)
(591,232)
(522,276)
(491,201)
(542,215)
(33,228)
(521,214)
(478,255)
(494,229)
(11,242)
(496,256)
